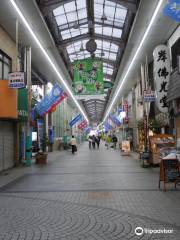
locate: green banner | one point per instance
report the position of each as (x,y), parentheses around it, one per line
(108,84)
(22,104)
(88,77)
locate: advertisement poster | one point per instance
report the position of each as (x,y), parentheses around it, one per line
(126,146)
(88,77)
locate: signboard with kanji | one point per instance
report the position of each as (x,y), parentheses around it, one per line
(161,75)
(149,96)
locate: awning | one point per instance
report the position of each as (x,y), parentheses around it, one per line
(174,86)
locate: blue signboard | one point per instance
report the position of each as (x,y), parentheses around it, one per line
(87,130)
(115,120)
(107,126)
(50,100)
(172,9)
(75,120)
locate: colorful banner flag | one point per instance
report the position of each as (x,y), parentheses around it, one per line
(82,125)
(87,130)
(107,126)
(75,120)
(172,10)
(51,100)
(115,120)
(88,77)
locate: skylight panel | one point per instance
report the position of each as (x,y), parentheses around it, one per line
(112,56)
(71,17)
(61,20)
(81,4)
(117,32)
(107,31)
(58,11)
(82,13)
(70,7)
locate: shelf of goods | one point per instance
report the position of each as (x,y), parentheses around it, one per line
(160,146)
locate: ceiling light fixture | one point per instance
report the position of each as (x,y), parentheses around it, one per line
(103,18)
(81,47)
(133,59)
(47,56)
(76,25)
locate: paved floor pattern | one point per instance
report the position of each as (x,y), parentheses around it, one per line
(94,195)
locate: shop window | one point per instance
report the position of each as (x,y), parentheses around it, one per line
(5,65)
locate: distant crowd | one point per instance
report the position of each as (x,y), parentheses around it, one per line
(110,141)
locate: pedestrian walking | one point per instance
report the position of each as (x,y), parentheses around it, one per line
(94,141)
(114,140)
(90,141)
(108,141)
(73,144)
(98,139)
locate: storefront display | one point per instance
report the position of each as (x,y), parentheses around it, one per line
(160,146)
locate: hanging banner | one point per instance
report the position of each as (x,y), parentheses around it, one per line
(107,126)
(17,80)
(172,10)
(88,77)
(115,120)
(23,104)
(125,108)
(87,130)
(75,120)
(82,125)
(161,75)
(40,130)
(51,100)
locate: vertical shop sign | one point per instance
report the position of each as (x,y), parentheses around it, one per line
(161,75)
(125,108)
(23,104)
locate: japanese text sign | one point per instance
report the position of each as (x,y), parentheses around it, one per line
(161,76)
(149,96)
(17,80)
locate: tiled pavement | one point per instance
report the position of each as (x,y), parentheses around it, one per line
(92,195)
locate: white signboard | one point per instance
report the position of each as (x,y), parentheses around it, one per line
(16,80)
(161,75)
(149,95)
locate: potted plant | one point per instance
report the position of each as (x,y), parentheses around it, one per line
(41,156)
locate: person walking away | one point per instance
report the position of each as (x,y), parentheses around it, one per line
(93,141)
(73,144)
(97,141)
(108,141)
(114,139)
(90,141)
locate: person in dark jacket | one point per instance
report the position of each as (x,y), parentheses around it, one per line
(114,140)
(94,141)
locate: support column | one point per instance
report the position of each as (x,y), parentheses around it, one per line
(28,133)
